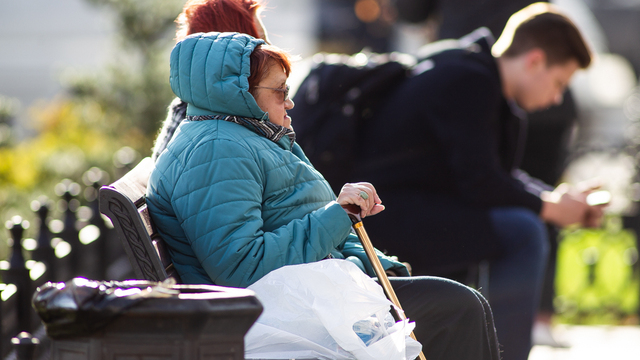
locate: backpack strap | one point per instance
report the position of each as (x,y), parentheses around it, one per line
(480,40)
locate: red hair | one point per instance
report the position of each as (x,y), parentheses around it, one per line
(218,15)
(260,61)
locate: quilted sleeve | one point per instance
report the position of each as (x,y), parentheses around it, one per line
(353,247)
(219,209)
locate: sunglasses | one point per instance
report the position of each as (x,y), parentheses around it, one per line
(285,91)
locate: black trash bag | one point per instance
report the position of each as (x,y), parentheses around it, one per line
(80,306)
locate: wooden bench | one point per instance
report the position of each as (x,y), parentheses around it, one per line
(125,204)
(203,321)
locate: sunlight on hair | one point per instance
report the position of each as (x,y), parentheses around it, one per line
(503,43)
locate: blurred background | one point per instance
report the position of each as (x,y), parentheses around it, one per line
(83,86)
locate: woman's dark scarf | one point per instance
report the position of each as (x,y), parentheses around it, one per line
(265,128)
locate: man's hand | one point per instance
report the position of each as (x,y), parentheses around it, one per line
(566,206)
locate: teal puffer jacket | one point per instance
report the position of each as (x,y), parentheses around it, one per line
(231,204)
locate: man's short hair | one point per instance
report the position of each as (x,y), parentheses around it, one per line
(543,26)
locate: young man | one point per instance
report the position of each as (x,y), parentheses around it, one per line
(444,154)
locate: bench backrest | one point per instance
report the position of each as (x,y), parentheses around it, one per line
(125,204)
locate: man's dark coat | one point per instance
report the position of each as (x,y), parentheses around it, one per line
(441,151)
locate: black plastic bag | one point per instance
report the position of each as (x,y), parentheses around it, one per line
(80,306)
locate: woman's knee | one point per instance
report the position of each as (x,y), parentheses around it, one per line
(445,312)
(455,300)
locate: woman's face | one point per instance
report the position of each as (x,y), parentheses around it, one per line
(271,94)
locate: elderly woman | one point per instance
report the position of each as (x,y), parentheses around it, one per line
(235,197)
(205,16)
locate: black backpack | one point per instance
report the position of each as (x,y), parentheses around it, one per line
(342,92)
(334,102)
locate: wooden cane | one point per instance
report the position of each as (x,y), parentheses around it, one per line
(354,214)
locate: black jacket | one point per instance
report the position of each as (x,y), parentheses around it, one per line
(441,152)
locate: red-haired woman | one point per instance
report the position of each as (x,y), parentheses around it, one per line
(235,197)
(205,16)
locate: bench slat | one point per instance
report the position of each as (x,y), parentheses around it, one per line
(124,203)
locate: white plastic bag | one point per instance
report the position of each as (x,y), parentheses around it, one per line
(310,311)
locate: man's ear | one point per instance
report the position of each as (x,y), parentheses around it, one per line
(535,59)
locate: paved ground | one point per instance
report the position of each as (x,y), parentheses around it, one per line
(593,342)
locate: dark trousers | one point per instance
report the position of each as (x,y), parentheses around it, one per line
(515,279)
(453,321)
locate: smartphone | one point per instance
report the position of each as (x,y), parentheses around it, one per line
(600,197)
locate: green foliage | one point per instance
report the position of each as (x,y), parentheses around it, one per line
(120,105)
(144,25)
(597,281)
(133,99)
(134,90)
(8,109)
(69,141)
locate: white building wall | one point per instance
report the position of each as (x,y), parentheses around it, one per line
(291,25)
(40,39)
